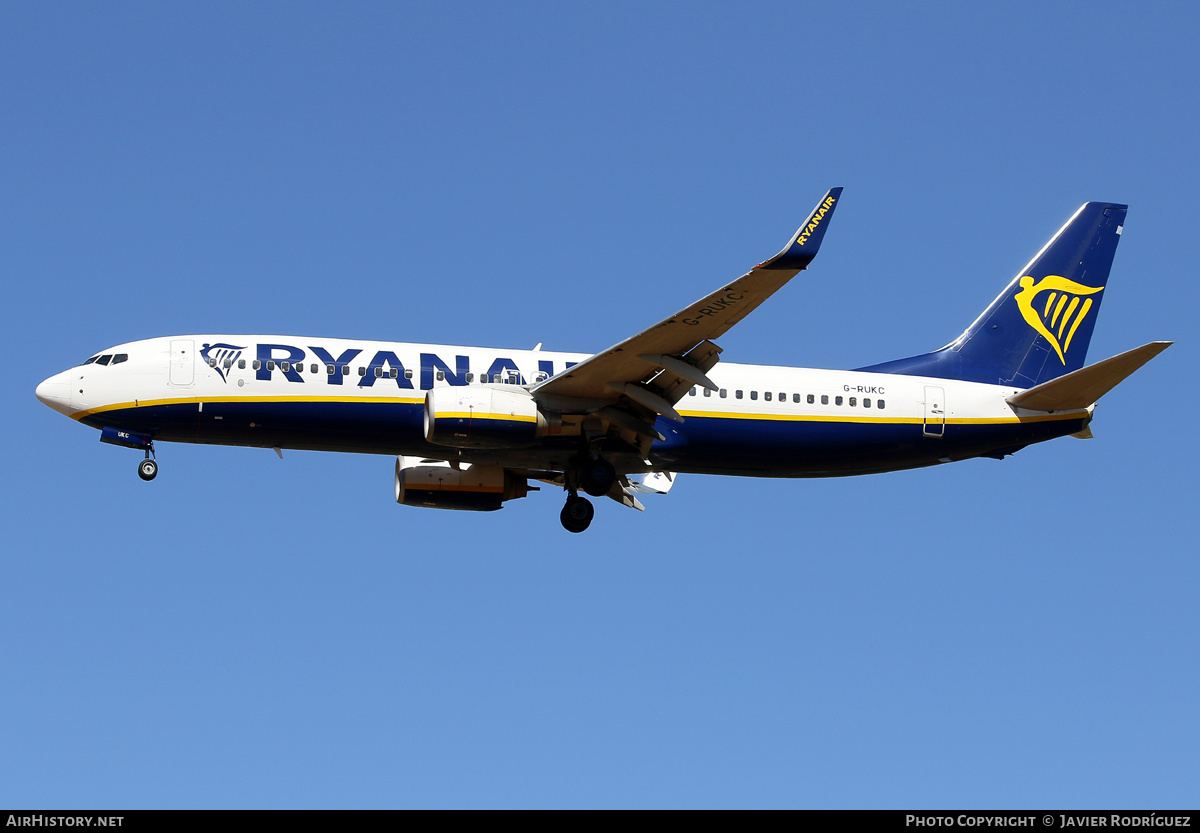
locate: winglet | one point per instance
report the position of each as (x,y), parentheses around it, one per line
(802,248)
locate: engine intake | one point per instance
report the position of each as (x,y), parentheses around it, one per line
(438,485)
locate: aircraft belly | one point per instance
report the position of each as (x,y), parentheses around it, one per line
(377,427)
(800,448)
(746,447)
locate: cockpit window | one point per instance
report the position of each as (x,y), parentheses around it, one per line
(92,359)
(105,359)
(120,357)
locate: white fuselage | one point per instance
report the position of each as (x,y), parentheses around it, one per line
(347,395)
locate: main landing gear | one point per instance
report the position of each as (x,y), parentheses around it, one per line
(148,468)
(594,475)
(597,476)
(576,515)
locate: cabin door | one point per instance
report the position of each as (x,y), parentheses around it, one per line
(183,362)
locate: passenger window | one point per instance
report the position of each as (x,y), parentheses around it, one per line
(737,394)
(345,370)
(362,371)
(723,392)
(810,399)
(299,367)
(257,364)
(853,401)
(379,373)
(315,369)
(866,403)
(692,392)
(394,372)
(330,370)
(441,375)
(285,366)
(124,357)
(241,364)
(754,394)
(766,396)
(270,364)
(408,374)
(837,400)
(824,399)
(783,397)
(470,378)
(228,363)
(104,359)
(796,398)
(707,392)
(879,404)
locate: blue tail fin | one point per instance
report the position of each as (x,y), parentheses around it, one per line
(1040,325)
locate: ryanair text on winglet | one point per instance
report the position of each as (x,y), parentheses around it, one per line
(815,221)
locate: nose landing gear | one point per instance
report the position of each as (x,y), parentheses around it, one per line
(148,468)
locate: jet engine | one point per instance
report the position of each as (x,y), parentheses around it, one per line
(439,485)
(483,416)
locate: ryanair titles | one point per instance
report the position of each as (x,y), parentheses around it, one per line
(815,221)
(352,366)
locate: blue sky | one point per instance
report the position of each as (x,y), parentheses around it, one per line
(250,632)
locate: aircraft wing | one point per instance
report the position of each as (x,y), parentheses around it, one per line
(656,367)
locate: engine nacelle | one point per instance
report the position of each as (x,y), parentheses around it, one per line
(482,416)
(440,486)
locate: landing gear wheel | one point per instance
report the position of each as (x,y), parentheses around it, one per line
(576,516)
(147,469)
(597,477)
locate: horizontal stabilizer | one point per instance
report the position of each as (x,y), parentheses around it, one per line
(1085,386)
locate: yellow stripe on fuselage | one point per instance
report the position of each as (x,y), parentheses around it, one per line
(888,420)
(407,400)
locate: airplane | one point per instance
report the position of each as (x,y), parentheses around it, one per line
(472,427)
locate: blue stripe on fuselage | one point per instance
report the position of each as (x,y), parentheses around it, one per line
(729,445)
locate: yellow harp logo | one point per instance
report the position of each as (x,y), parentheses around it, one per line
(1060,313)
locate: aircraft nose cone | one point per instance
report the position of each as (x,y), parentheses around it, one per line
(56,393)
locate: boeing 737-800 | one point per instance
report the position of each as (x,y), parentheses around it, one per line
(471,427)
